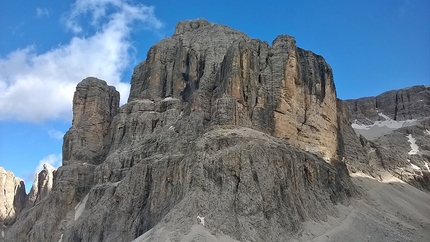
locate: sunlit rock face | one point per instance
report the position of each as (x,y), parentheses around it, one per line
(42,185)
(12,197)
(227,78)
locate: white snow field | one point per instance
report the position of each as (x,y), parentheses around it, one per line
(380,128)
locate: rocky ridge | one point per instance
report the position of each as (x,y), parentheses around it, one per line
(399,105)
(217,125)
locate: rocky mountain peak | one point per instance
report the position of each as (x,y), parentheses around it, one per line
(94,106)
(190,25)
(284,39)
(42,185)
(12,197)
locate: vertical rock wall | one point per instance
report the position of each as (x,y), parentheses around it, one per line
(12,197)
(94,106)
(42,185)
(231,79)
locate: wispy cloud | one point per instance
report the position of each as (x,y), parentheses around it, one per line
(56,134)
(40,12)
(37,87)
(100,9)
(52,159)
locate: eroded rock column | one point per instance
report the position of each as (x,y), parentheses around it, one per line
(94,106)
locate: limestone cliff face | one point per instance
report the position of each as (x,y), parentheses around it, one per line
(12,197)
(12,200)
(94,106)
(217,125)
(230,79)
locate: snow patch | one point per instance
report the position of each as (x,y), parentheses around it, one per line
(392,124)
(355,125)
(61,238)
(169,99)
(197,233)
(80,207)
(427,166)
(144,237)
(415,167)
(380,128)
(414,146)
(202,220)
(427,132)
(171,128)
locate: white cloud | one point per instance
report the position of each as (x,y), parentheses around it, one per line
(98,9)
(56,134)
(52,159)
(40,12)
(37,87)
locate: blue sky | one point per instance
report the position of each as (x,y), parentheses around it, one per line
(47,47)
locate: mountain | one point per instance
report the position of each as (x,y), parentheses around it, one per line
(223,138)
(395,133)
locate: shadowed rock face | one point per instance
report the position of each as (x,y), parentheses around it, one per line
(217,125)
